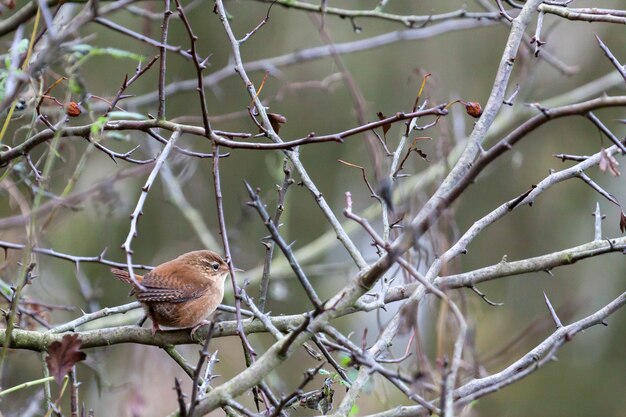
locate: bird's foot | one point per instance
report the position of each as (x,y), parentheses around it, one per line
(155,328)
(195,328)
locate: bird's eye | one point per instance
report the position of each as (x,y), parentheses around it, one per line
(215,266)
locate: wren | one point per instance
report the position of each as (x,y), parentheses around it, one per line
(181,292)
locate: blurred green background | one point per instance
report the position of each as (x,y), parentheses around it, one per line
(590,375)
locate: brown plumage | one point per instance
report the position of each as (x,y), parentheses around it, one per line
(181,292)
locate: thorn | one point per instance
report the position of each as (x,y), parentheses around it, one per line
(555,318)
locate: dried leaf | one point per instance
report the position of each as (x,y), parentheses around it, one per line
(63,355)
(473,109)
(622,222)
(608,162)
(386,126)
(276,120)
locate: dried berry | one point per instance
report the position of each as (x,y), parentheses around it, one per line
(72,109)
(473,109)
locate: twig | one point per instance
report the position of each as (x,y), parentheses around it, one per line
(195,381)
(180,397)
(162,59)
(85,318)
(293,156)
(179,359)
(127,82)
(74,393)
(616,141)
(125,31)
(284,247)
(620,68)
(199,67)
(484,297)
(249,353)
(134,217)
(259,26)
(585,15)
(537,38)
(597,188)
(269,246)
(598,217)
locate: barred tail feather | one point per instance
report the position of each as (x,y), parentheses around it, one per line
(124,276)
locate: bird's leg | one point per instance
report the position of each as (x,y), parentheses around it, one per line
(197,326)
(155,327)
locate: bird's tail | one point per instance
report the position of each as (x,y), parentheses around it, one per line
(124,276)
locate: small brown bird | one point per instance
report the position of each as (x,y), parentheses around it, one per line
(181,292)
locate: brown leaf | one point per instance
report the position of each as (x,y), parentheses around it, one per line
(63,355)
(386,126)
(276,120)
(608,162)
(473,109)
(622,222)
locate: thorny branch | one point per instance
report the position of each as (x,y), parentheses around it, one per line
(445,383)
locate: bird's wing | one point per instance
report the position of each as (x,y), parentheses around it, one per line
(174,286)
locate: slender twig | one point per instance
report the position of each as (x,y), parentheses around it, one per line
(72,258)
(105,312)
(585,15)
(315,53)
(598,217)
(447,400)
(484,297)
(74,392)
(597,188)
(284,247)
(259,26)
(127,82)
(179,359)
(331,360)
(503,12)
(620,68)
(378,13)
(220,137)
(142,38)
(616,141)
(343,237)
(180,397)
(269,246)
(195,381)
(249,352)
(537,38)
(199,67)
(162,59)
(134,218)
